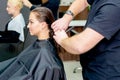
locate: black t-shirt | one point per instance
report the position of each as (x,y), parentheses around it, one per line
(90,1)
(35,2)
(103,61)
(53,5)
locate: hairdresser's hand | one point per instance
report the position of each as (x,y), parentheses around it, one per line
(59,36)
(62,23)
(27,3)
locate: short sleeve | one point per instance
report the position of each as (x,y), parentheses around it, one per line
(90,1)
(106,21)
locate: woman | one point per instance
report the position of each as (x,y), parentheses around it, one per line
(14,28)
(40,60)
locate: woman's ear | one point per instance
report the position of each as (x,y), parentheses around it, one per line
(17,8)
(43,25)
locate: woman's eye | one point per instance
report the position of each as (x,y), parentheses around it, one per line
(30,22)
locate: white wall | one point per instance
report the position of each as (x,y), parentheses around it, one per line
(66,2)
(4,17)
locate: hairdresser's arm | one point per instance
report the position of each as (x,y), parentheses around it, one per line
(27,3)
(79,43)
(76,7)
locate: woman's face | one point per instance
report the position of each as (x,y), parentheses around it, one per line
(10,8)
(34,25)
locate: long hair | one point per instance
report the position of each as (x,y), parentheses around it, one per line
(44,14)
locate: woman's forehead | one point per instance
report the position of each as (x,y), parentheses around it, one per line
(32,15)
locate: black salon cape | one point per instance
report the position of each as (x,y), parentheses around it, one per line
(38,62)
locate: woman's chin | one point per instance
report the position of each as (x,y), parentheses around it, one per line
(31,34)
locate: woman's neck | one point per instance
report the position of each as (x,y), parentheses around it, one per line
(44,35)
(15,14)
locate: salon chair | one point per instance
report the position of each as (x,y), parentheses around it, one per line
(9,50)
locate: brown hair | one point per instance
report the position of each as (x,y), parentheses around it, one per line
(44,14)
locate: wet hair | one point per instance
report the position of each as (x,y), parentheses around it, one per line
(44,14)
(18,3)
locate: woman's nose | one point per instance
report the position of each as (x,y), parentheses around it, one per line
(28,25)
